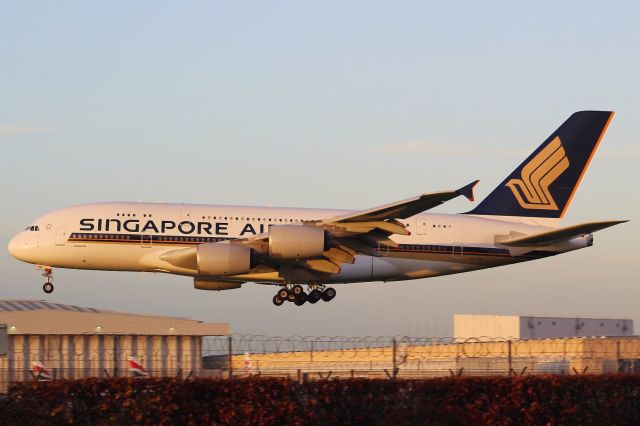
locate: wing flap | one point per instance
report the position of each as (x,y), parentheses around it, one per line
(337,255)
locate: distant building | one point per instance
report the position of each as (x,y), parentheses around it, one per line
(534,327)
(74,342)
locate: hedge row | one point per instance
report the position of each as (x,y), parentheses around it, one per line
(254,401)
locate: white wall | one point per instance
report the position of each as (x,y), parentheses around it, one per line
(486,326)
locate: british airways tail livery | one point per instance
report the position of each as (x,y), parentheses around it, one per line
(223,247)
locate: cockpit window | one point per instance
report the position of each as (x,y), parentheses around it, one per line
(32,228)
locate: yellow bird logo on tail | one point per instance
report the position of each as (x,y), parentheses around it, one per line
(532,190)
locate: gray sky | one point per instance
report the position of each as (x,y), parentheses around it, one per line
(325,104)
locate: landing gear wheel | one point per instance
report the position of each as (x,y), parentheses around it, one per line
(47,288)
(314,296)
(328,294)
(283,293)
(297,289)
(277,300)
(301,299)
(291,297)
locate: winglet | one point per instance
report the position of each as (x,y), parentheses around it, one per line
(467,190)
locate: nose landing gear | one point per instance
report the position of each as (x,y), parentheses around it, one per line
(48,274)
(297,295)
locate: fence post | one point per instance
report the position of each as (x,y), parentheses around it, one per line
(619,370)
(510,360)
(393,354)
(230,357)
(115,355)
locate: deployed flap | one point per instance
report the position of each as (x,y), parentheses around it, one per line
(405,208)
(556,235)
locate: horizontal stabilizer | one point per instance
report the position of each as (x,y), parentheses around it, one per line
(554,236)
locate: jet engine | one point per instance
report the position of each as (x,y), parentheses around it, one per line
(223,259)
(296,241)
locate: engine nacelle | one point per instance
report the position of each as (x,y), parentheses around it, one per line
(205,284)
(295,241)
(223,259)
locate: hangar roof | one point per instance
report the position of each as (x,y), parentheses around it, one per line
(42,317)
(30,305)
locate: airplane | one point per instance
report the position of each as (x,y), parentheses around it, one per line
(40,373)
(222,247)
(136,369)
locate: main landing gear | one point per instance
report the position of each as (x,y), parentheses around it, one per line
(297,295)
(48,274)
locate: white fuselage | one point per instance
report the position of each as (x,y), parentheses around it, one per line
(133,236)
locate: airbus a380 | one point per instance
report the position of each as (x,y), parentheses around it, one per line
(222,247)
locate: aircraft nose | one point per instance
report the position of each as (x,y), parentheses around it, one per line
(16,247)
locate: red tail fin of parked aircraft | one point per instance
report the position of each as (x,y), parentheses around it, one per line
(136,368)
(40,372)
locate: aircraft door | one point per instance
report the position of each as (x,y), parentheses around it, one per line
(457,250)
(383,250)
(61,236)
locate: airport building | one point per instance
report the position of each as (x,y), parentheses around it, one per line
(75,342)
(535,327)
(483,344)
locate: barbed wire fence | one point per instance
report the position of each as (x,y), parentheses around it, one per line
(404,356)
(322,357)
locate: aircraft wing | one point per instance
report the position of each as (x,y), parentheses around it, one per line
(364,232)
(361,232)
(556,235)
(405,208)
